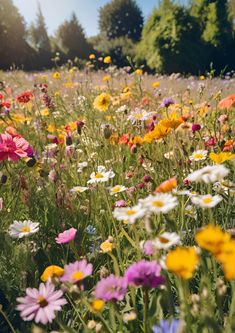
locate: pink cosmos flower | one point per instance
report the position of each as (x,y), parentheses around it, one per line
(41,304)
(13,148)
(111,288)
(77,271)
(66,236)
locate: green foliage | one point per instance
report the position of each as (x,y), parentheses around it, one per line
(13,47)
(72,40)
(167,44)
(121,18)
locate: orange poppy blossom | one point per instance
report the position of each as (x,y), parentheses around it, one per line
(227,102)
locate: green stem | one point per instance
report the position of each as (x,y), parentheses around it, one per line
(146,304)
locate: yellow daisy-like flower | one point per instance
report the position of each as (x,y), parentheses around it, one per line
(159,132)
(51,128)
(212,238)
(202,77)
(106,78)
(155,84)
(182,261)
(92,56)
(56,75)
(45,112)
(173,121)
(221,157)
(97,305)
(106,246)
(107,60)
(52,271)
(138,71)
(102,102)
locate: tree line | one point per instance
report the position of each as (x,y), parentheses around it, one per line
(174,38)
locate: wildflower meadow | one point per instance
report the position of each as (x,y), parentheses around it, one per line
(117,201)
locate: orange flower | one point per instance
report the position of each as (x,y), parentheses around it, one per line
(124,139)
(167,185)
(228,102)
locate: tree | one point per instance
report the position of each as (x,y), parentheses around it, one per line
(14,49)
(216,29)
(171,41)
(121,18)
(40,41)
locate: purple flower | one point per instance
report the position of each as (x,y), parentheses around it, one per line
(144,273)
(120,203)
(77,271)
(167,102)
(148,248)
(166,327)
(41,304)
(112,288)
(196,127)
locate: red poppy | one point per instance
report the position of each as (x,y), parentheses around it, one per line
(24,97)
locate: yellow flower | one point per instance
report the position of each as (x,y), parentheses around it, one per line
(45,112)
(102,102)
(43,77)
(56,75)
(92,56)
(106,246)
(52,271)
(182,261)
(50,128)
(114,139)
(106,78)
(221,157)
(97,305)
(19,118)
(212,238)
(159,132)
(137,140)
(202,77)
(57,94)
(155,84)
(138,71)
(107,60)
(227,258)
(69,85)
(173,121)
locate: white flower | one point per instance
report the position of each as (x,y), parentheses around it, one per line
(224,186)
(129,214)
(140,115)
(198,155)
(101,175)
(117,189)
(122,109)
(208,174)
(81,166)
(166,240)
(159,203)
(191,211)
(206,201)
(21,229)
(79,189)
(169,155)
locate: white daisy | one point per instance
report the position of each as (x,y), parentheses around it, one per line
(79,189)
(208,174)
(81,166)
(206,201)
(191,211)
(140,115)
(166,240)
(21,229)
(198,155)
(102,175)
(159,203)
(129,214)
(117,189)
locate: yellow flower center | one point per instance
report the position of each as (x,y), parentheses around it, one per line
(99,175)
(130,212)
(25,229)
(78,276)
(207,200)
(197,156)
(42,301)
(138,115)
(163,240)
(116,189)
(158,203)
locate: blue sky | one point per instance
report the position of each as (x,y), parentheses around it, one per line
(56,11)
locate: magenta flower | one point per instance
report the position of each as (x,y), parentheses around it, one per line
(196,127)
(77,271)
(66,236)
(13,148)
(41,304)
(144,273)
(112,288)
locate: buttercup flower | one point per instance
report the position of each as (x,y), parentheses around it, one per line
(25,228)
(206,201)
(41,304)
(112,288)
(144,274)
(51,272)
(182,261)
(77,271)
(66,236)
